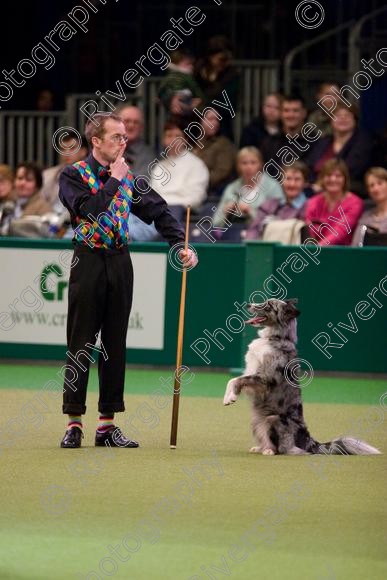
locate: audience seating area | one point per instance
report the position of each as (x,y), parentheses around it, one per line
(293,173)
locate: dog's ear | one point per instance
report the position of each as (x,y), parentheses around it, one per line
(291,310)
(292,301)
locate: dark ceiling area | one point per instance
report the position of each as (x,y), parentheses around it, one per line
(115,34)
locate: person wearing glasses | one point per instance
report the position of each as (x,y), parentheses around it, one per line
(98,193)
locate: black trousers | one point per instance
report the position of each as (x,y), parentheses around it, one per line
(100,299)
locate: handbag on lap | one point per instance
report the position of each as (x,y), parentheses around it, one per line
(284,231)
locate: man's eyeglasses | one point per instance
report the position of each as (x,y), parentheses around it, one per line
(119,138)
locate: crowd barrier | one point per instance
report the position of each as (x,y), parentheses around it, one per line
(342,295)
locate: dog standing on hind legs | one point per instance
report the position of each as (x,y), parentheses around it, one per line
(278,422)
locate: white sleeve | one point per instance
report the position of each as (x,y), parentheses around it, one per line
(196,185)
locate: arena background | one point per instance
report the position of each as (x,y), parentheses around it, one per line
(208,509)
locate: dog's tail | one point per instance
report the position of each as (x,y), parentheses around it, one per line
(346,446)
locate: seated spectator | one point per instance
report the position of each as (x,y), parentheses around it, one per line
(293,207)
(319,116)
(242,198)
(27,185)
(267,124)
(29,202)
(137,153)
(72,151)
(293,115)
(186,177)
(7,202)
(216,73)
(376,217)
(217,152)
(179,91)
(333,215)
(348,143)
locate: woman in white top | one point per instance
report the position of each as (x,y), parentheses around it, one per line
(179,177)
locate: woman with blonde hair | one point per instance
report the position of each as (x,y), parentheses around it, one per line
(242,197)
(333,214)
(376,217)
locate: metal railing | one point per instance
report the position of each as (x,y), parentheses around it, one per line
(77,119)
(257,78)
(27,135)
(306,78)
(348,36)
(356,47)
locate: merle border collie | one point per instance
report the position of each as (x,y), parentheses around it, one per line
(278,421)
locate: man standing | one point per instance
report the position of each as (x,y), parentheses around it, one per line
(98,195)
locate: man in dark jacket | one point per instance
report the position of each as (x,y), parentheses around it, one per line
(99,194)
(293,115)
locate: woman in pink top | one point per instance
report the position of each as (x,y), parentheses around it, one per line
(332,215)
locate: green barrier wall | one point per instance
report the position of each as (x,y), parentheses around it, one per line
(328,292)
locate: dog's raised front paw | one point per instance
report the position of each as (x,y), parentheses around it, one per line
(229,398)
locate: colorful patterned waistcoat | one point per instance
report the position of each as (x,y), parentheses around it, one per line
(110,229)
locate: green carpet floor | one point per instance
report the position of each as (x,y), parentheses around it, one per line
(208,509)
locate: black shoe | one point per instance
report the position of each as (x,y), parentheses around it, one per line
(72,438)
(114,438)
